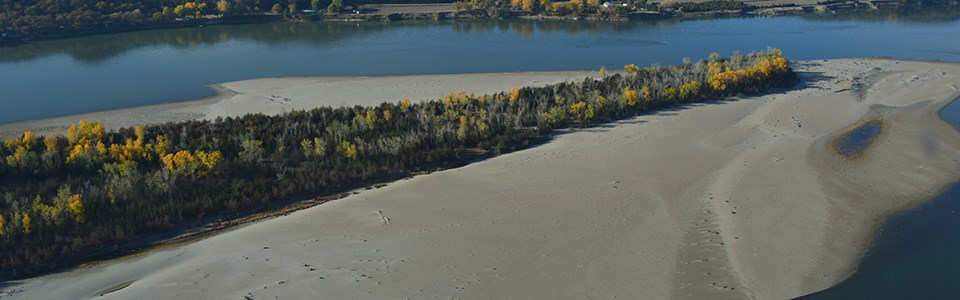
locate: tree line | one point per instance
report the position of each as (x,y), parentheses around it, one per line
(615,9)
(94,190)
(48,16)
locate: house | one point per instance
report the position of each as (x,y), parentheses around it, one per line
(609,4)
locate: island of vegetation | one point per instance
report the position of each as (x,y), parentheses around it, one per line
(22,21)
(96,193)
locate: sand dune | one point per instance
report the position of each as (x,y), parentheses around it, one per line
(731,199)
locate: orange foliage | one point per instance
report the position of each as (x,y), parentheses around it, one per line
(765,67)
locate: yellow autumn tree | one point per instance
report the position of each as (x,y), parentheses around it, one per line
(3,224)
(85,140)
(529,5)
(405,104)
(387,115)
(670,93)
(578,110)
(162,145)
(577,5)
(514,95)
(52,143)
(631,69)
(90,131)
(140,133)
(315,147)
(26,223)
(177,162)
(72,135)
(208,161)
(630,97)
(348,149)
(76,206)
(307,146)
(223,7)
(29,139)
(371,119)
(767,66)
(199,163)
(689,90)
(102,151)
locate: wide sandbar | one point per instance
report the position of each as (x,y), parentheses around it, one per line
(731,199)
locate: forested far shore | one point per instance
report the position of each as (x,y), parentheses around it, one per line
(44,19)
(63,197)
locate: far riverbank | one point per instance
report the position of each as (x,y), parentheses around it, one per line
(448,11)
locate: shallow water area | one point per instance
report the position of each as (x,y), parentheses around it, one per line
(915,253)
(854,141)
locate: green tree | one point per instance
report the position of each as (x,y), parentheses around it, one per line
(463,129)
(121,180)
(252,151)
(335,7)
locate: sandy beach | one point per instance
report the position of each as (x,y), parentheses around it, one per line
(731,199)
(278,95)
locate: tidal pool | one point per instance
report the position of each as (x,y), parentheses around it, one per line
(854,141)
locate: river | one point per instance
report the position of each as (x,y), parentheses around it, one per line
(61,77)
(95,73)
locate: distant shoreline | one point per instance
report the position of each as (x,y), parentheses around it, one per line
(403,12)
